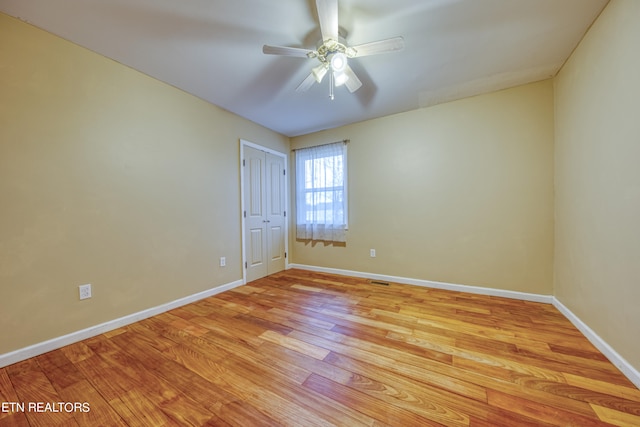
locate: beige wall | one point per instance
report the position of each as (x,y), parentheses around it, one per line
(107,177)
(598,180)
(460,192)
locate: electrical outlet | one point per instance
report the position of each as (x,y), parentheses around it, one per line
(223,261)
(372,253)
(85,291)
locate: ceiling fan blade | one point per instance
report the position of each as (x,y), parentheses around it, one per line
(374,48)
(328,17)
(353,83)
(288,51)
(306,83)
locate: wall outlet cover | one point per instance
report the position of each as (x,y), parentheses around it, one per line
(85,291)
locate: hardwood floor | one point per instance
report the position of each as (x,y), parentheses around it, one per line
(310,349)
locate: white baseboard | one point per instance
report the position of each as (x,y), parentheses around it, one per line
(625,367)
(548,299)
(55,343)
(613,356)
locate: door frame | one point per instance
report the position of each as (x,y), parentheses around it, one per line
(244,143)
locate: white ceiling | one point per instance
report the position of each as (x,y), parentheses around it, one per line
(213,49)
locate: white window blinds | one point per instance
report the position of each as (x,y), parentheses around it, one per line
(321,193)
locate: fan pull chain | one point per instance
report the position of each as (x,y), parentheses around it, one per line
(331,84)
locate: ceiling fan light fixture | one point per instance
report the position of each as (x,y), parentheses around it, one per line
(319,72)
(338,62)
(340,78)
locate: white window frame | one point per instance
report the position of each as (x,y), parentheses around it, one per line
(343,188)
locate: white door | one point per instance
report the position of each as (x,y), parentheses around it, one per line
(264,213)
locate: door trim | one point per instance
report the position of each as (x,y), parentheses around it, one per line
(244,143)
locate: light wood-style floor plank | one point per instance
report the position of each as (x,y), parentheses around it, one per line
(301,348)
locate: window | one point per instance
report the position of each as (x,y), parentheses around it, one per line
(321,193)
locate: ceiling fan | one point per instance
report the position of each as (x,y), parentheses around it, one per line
(333,53)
